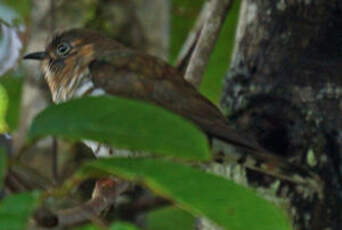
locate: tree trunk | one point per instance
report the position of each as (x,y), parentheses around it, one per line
(285,87)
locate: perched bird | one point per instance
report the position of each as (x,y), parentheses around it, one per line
(81,62)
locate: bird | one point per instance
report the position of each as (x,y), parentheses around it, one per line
(81,62)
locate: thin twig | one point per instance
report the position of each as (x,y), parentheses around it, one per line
(20,178)
(215,16)
(187,51)
(192,39)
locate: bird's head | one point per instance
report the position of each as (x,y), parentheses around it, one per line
(67,56)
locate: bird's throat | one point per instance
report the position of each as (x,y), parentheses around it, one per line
(64,87)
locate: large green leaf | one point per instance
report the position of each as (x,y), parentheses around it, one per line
(169,218)
(124,123)
(115,226)
(203,194)
(13,86)
(15,210)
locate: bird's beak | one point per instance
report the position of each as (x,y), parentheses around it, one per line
(36,55)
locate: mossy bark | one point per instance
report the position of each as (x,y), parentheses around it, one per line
(285,88)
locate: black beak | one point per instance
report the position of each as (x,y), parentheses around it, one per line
(36,56)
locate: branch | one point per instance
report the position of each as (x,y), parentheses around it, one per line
(192,40)
(216,12)
(104,195)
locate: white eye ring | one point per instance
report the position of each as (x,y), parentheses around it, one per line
(63,49)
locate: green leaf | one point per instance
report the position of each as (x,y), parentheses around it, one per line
(3,109)
(13,86)
(203,194)
(220,59)
(123,123)
(115,226)
(15,210)
(169,218)
(183,17)
(3,164)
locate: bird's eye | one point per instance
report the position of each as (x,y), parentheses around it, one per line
(63,49)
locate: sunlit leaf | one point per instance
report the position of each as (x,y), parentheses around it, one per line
(13,85)
(15,210)
(169,219)
(3,109)
(124,123)
(202,194)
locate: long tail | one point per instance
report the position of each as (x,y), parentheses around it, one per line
(258,159)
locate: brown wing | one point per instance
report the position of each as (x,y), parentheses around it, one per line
(146,78)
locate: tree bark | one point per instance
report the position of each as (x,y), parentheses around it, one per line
(285,88)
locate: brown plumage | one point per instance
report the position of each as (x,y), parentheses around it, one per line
(80,62)
(124,72)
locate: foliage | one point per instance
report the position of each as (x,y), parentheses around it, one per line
(184,14)
(198,192)
(118,121)
(3,109)
(15,210)
(193,190)
(183,17)
(220,58)
(176,219)
(12,83)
